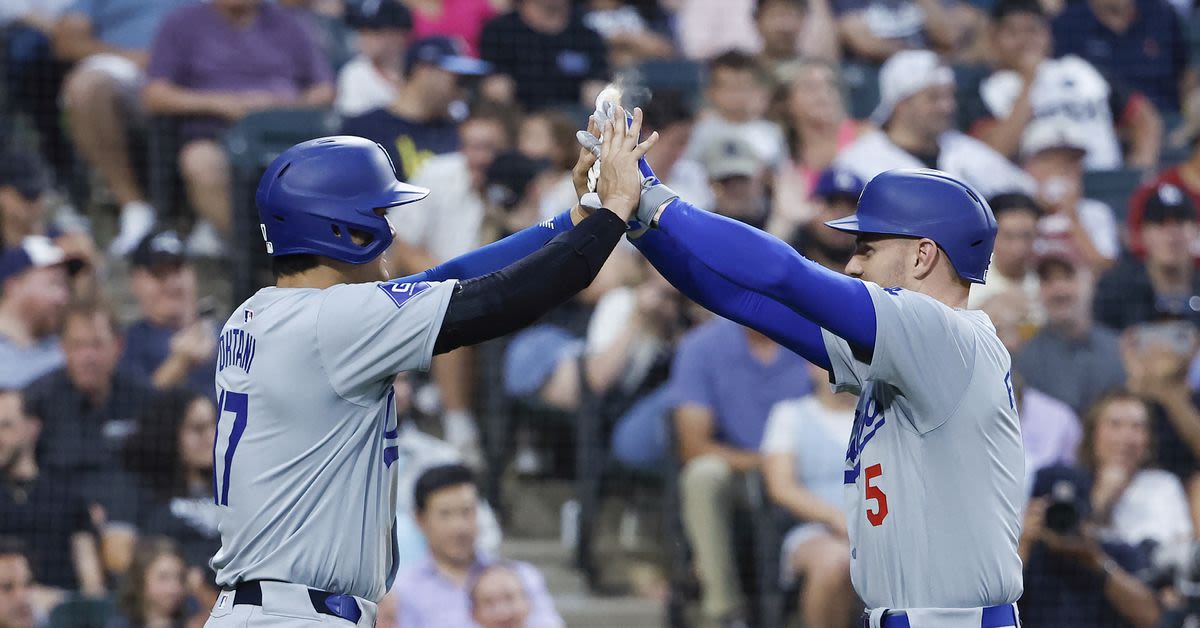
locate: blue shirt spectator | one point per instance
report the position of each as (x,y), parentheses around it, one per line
(1144,48)
(715,368)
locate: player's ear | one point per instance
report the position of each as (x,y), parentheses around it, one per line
(927,254)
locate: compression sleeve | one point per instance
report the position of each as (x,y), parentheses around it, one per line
(496,255)
(736,303)
(508,299)
(764,264)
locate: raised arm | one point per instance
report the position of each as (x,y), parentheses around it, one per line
(766,265)
(719,295)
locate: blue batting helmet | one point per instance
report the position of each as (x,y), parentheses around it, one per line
(317,192)
(928,204)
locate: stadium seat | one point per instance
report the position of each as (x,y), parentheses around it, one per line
(80,612)
(1113,187)
(252,144)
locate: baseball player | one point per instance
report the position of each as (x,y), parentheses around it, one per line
(306,438)
(934,469)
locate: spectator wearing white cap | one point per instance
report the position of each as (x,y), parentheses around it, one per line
(35,284)
(916,114)
(1052,152)
(1029,86)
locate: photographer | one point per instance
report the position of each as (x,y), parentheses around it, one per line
(1090,528)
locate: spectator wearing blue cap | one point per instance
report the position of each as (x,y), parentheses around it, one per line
(373,77)
(35,284)
(421,120)
(834,196)
(173,341)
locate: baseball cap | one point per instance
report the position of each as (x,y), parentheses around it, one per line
(1051,133)
(446,53)
(378,15)
(728,155)
(159,249)
(507,179)
(33,252)
(834,183)
(904,74)
(1168,202)
(24,172)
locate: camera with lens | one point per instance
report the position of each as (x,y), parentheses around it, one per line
(1063,510)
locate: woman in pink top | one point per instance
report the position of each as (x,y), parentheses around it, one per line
(818,128)
(463,19)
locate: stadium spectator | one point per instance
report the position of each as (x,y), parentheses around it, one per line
(87,410)
(724,381)
(791,30)
(1050,430)
(1029,86)
(628,35)
(419,122)
(32,73)
(1164,282)
(737,175)
(817,128)
(172,343)
(1052,153)
(738,94)
(434,593)
(171,454)
(1071,358)
(673,120)
(549,136)
(192,74)
(803,460)
(1185,176)
(153,593)
(834,196)
(916,114)
(498,598)
(1140,43)
(708,28)
(1013,257)
(543,55)
(108,41)
(1075,578)
(513,189)
(35,278)
(458,19)
(874,30)
(371,79)
(42,508)
(16,585)
(26,199)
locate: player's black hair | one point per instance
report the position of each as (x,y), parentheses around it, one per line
(1005,8)
(1014,201)
(437,478)
(665,108)
(284,265)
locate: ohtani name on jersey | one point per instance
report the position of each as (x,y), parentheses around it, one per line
(868,418)
(235,348)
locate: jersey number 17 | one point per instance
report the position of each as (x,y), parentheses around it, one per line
(237,404)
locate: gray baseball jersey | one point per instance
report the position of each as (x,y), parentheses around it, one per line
(306,436)
(935,466)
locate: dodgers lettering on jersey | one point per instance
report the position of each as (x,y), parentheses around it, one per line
(307,433)
(934,468)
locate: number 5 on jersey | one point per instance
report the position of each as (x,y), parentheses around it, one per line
(879,513)
(226,441)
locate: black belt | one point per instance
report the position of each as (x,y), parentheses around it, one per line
(324,602)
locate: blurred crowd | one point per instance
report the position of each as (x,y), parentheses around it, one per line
(1077,119)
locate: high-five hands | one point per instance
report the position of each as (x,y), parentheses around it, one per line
(620,184)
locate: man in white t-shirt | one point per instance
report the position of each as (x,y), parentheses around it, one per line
(371,79)
(1052,152)
(916,115)
(1029,86)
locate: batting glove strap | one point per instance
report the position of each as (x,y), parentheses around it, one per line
(653,197)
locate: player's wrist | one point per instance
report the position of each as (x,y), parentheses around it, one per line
(652,202)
